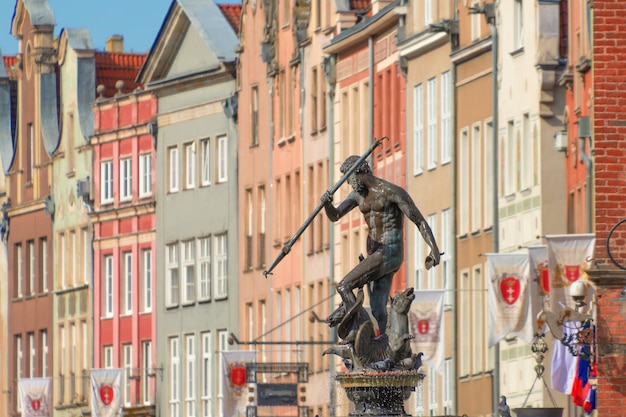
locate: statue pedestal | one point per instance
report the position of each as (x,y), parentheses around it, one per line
(379,393)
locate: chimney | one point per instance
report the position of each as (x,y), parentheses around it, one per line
(115,43)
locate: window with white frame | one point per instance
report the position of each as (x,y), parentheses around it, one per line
(172,167)
(287,313)
(174,378)
(127,282)
(172,293)
(188,270)
(106,182)
(204,268)
(32,352)
(19,270)
(44,353)
(190,375)
(478,346)
(84,343)
(108,286)
(488,185)
(527,153)
(44,265)
(518,25)
(432,272)
(419,259)
(63,259)
(205,164)
(510,165)
(446,117)
(475,22)
(18,366)
(433,405)
(74,258)
(127,353)
(446,245)
(221,267)
(146,370)
(476,178)
(146,280)
(222,338)
(107,357)
(86,249)
(464,182)
(465,325)
(145,175)
(207,375)
(222,158)
(431,119)
(418,129)
(428,12)
(126,179)
(31,267)
(447,387)
(190,165)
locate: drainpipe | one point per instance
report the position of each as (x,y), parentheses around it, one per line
(588,188)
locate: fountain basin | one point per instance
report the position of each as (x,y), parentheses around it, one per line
(538,412)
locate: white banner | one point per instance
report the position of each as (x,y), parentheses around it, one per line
(35,397)
(568,257)
(426,325)
(539,278)
(106,392)
(235,380)
(508,297)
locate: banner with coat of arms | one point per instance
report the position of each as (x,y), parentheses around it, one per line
(106,394)
(508,297)
(235,379)
(568,257)
(426,325)
(34,395)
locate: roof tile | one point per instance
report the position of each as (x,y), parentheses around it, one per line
(114,66)
(232,12)
(9,64)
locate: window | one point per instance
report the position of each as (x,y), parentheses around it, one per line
(145,175)
(188,270)
(476,178)
(262,214)
(447,387)
(174,378)
(172,161)
(446,117)
(418,129)
(432,272)
(287,314)
(431,116)
(63,253)
(127,371)
(87,271)
(31,267)
(32,351)
(323,108)
(44,265)
(204,268)
(29,157)
(107,302)
(254,137)
(43,335)
(488,177)
(146,370)
(190,165)
(127,282)
(477,319)
(73,258)
(146,280)
(249,220)
(222,162)
(190,376)
(428,12)
(106,182)
(527,153)
(19,271)
(432,391)
(476,17)
(84,343)
(314,100)
(207,375)
(107,357)
(205,150)
(465,324)
(464,183)
(172,292)
(222,338)
(518,25)
(126,179)
(18,366)
(419,259)
(221,267)
(510,165)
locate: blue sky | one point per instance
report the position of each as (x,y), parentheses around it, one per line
(137,20)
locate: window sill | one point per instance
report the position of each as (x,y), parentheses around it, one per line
(509,197)
(204,301)
(517,52)
(525,191)
(70,174)
(475,232)
(431,168)
(463,236)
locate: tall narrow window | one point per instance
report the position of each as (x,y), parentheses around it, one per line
(146,280)
(127,354)
(207,375)
(190,375)
(32,268)
(222,338)
(32,352)
(145,175)
(63,259)
(127,282)
(518,25)
(172,161)
(19,271)
(222,155)
(314,100)
(418,129)
(510,164)
(126,179)
(464,183)
(221,267)
(174,378)
(107,357)
(204,268)
(189,274)
(446,117)
(205,149)
(86,257)
(107,301)
(262,214)
(465,325)
(44,264)
(172,291)
(18,367)
(146,370)
(73,259)
(190,165)
(322,99)
(488,177)
(43,335)
(106,182)
(447,386)
(254,139)
(527,153)
(477,320)
(431,115)
(475,22)
(476,179)
(432,391)
(428,12)
(249,219)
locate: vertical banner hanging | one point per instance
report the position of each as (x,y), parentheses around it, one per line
(508,297)
(568,256)
(235,380)
(35,397)
(106,393)
(426,325)
(539,278)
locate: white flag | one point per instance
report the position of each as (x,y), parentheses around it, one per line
(568,256)
(539,278)
(508,297)
(235,379)
(35,397)
(106,393)
(426,325)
